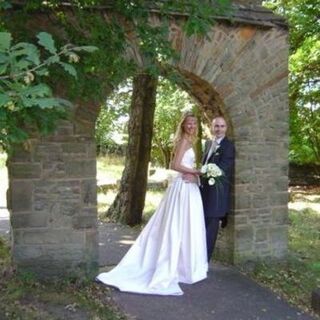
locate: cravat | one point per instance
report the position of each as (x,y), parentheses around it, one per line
(213,147)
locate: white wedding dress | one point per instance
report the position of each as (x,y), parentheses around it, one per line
(172,246)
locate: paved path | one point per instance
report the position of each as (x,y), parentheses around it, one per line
(225,295)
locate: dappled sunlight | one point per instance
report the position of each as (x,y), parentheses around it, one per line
(302,205)
(305,198)
(126,242)
(4,213)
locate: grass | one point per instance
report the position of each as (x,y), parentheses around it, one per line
(109,172)
(299,275)
(110,168)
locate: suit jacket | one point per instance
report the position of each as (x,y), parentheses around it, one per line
(216,198)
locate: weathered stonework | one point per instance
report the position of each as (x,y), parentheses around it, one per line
(244,70)
(53,205)
(239,71)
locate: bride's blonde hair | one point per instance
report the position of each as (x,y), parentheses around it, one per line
(180,130)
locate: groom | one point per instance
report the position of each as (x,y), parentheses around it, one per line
(216,198)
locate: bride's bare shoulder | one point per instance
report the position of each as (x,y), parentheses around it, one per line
(184,144)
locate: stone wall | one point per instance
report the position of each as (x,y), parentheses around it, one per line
(52,200)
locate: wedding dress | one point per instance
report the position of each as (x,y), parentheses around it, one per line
(172,246)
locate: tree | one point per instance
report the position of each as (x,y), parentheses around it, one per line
(26,101)
(129,202)
(304,77)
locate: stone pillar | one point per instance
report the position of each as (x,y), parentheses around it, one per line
(259,114)
(52,201)
(243,72)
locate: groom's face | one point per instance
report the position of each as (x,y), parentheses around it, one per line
(219,127)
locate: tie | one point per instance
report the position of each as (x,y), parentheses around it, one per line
(213,147)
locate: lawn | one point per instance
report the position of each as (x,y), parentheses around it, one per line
(300,274)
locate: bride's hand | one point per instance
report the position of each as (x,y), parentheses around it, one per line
(190,177)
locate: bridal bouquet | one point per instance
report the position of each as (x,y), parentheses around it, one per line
(211,172)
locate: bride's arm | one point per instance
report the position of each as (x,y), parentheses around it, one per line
(176,162)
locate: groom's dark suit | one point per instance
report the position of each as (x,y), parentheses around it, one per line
(216,198)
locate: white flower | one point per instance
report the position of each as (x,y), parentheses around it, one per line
(212,172)
(203,169)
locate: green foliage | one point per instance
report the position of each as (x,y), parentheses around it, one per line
(103,70)
(171,103)
(305,135)
(304,85)
(111,125)
(26,101)
(112,120)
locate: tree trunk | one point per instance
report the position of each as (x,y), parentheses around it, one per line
(167,154)
(129,203)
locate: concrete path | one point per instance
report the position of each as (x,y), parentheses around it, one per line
(225,295)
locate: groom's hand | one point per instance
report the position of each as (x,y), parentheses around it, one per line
(224,222)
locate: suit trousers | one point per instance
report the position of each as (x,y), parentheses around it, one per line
(212,229)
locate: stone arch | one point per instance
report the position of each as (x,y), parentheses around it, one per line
(240,70)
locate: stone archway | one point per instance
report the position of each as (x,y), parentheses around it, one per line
(242,72)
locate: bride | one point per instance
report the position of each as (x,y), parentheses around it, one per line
(172,246)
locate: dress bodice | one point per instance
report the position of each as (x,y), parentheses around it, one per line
(188,158)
